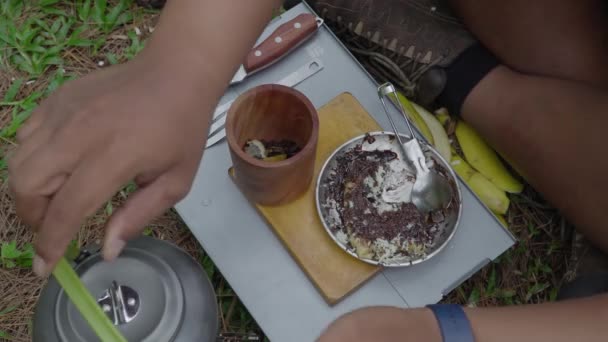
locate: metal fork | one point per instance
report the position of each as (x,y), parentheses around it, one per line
(431,191)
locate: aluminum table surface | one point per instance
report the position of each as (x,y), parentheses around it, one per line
(272,286)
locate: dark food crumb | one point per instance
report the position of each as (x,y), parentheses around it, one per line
(287,147)
(369,139)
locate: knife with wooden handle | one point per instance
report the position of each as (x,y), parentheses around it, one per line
(280,43)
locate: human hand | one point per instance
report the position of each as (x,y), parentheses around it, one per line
(144,121)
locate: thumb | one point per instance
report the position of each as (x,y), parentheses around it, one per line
(143,206)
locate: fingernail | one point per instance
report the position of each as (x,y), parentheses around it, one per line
(112,249)
(39,266)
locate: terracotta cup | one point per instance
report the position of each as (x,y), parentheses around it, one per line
(273,112)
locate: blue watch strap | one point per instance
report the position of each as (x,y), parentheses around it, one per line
(453,323)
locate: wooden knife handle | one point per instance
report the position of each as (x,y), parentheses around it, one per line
(285,38)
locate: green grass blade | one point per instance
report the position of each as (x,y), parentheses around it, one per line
(5,335)
(8,310)
(112,58)
(35,49)
(3,167)
(47,2)
(112,16)
(28,36)
(124,18)
(85,303)
(56,25)
(58,79)
(55,11)
(84,9)
(62,34)
(12,91)
(43,24)
(99,11)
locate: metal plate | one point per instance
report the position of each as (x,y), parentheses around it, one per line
(160,294)
(448,227)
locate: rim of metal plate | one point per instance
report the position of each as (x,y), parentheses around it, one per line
(319,193)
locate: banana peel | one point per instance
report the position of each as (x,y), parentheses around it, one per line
(440,136)
(415,117)
(484,159)
(489,194)
(428,125)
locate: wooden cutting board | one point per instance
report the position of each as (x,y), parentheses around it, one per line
(334,272)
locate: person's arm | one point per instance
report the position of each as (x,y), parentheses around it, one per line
(208,38)
(145,120)
(571,320)
(574,320)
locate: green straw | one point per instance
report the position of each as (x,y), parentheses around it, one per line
(85,303)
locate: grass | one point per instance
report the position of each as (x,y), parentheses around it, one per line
(11,256)
(530,272)
(44,43)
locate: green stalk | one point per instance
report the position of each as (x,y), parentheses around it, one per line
(85,303)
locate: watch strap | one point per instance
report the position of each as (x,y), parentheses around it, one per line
(453,323)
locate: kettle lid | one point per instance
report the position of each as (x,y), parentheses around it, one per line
(153,291)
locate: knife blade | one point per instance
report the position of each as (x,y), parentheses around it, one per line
(286,38)
(217,131)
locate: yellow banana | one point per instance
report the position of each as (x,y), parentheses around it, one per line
(414,116)
(462,168)
(489,194)
(493,197)
(484,159)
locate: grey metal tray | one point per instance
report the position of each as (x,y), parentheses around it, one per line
(272,286)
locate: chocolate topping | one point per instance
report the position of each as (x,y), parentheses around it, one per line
(349,186)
